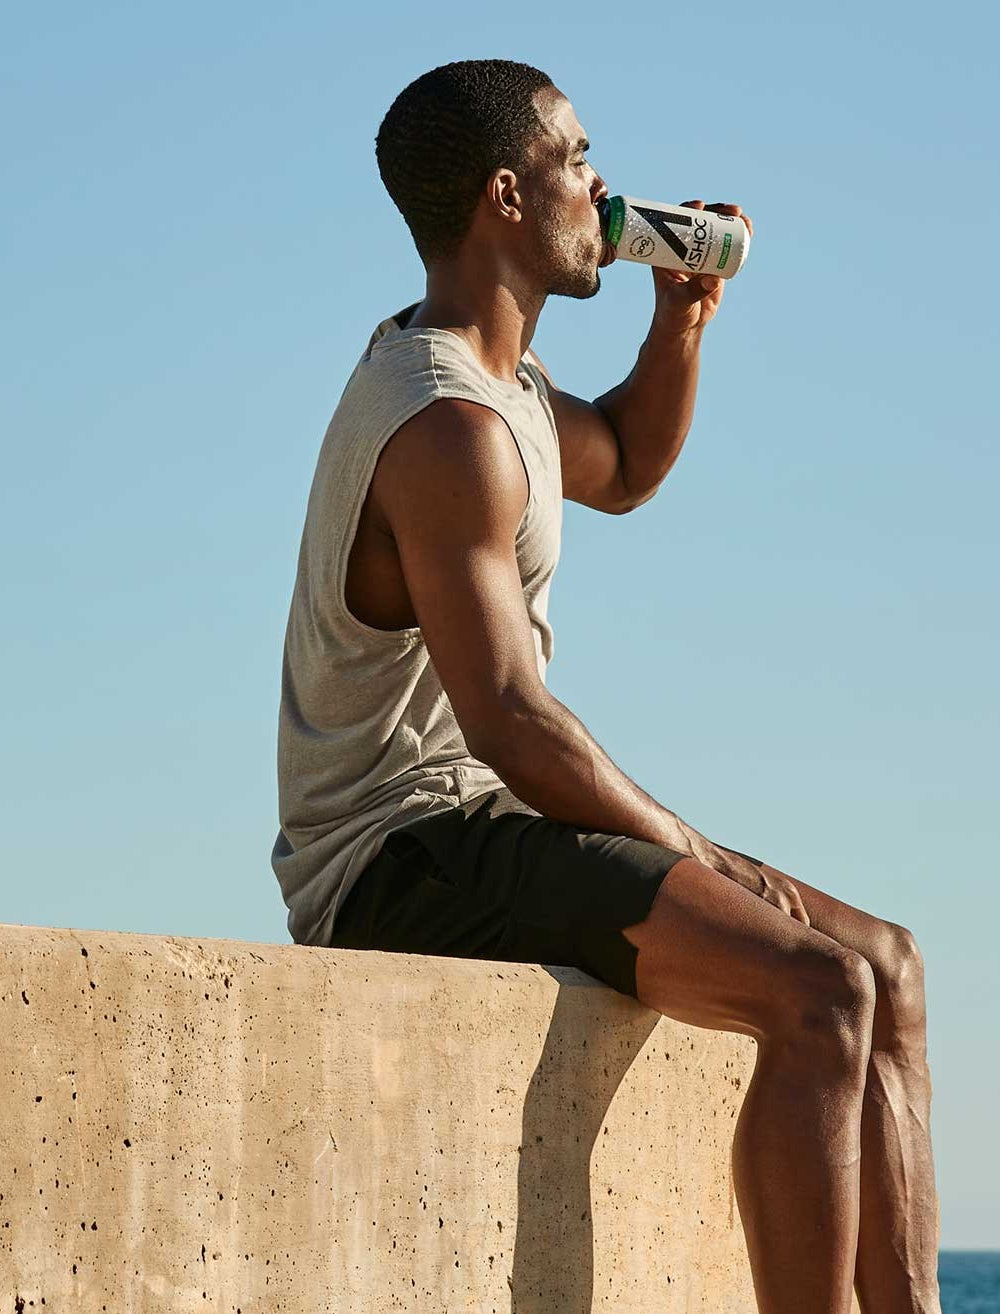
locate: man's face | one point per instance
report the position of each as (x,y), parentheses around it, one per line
(560,193)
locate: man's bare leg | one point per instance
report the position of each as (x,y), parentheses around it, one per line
(899,1229)
(713,954)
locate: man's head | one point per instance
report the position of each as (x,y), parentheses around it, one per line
(488,154)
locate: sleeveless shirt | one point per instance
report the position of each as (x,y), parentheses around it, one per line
(367,738)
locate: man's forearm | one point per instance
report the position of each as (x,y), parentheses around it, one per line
(548,758)
(652,410)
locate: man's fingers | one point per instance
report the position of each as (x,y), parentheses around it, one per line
(793,908)
(721,207)
(727,207)
(781,891)
(688,287)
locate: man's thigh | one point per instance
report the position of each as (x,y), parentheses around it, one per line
(702,917)
(714,954)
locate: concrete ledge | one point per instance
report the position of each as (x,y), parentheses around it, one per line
(215,1126)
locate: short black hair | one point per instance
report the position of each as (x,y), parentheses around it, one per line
(444,135)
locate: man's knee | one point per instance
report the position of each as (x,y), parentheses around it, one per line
(899,975)
(834,1004)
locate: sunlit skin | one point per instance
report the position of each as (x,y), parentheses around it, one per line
(832,1158)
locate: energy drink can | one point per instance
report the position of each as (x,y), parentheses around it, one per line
(674,236)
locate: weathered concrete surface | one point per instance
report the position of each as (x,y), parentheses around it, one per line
(216,1126)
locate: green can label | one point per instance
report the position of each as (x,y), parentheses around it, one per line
(616,219)
(726,244)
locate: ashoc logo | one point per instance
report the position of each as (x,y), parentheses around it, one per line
(698,248)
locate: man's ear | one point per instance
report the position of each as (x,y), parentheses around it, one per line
(503,195)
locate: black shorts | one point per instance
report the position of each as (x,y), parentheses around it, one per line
(496,880)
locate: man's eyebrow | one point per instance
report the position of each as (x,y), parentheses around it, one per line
(582,144)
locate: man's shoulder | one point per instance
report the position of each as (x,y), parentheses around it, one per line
(391,375)
(455,454)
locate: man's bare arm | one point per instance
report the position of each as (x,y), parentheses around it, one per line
(617,450)
(453,489)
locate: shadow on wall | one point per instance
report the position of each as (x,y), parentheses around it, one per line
(571,1091)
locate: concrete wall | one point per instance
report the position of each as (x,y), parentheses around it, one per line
(207,1125)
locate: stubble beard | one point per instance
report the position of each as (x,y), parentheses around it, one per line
(567,260)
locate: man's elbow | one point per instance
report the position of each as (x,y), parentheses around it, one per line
(619,499)
(634,500)
(630,497)
(496,734)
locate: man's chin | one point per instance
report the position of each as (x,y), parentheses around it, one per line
(586,284)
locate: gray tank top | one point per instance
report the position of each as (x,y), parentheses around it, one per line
(367,738)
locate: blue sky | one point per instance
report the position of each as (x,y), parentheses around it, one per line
(794,645)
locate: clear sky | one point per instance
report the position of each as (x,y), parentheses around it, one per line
(794,644)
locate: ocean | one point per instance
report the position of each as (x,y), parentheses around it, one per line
(970,1281)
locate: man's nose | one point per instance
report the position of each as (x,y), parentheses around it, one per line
(598,188)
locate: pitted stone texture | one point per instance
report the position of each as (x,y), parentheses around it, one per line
(192,1126)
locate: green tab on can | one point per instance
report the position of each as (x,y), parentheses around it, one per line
(616,219)
(726,244)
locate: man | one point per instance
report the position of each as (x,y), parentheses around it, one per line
(436,798)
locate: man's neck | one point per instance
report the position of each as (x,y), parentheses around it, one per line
(496,322)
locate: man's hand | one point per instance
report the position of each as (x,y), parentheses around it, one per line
(685,302)
(766,882)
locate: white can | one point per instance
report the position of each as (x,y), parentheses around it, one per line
(674,236)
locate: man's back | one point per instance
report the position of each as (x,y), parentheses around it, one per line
(368,738)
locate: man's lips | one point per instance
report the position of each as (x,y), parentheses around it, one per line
(608,256)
